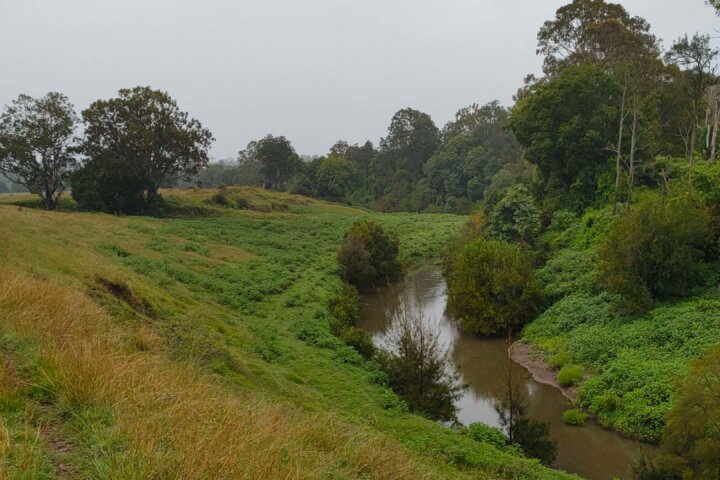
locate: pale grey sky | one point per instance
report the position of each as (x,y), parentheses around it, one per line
(315,70)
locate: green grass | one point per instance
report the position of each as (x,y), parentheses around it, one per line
(241,295)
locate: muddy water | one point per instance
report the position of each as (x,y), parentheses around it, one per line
(590,451)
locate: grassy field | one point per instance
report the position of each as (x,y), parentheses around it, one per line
(198,346)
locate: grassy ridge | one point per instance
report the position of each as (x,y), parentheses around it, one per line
(198,347)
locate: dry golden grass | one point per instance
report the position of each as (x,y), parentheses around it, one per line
(174,422)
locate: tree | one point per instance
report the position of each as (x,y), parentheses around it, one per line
(697,56)
(690,447)
(38,145)
(592,31)
(412,138)
(532,436)
(515,218)
(566,124)
(656,251)
(419,367)
(276,157)
(335,177)
(715,4)
(139,139)
(368,255)
(492,288)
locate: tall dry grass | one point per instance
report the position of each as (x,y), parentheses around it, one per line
(172,420)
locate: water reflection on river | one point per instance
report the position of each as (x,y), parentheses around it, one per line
(590,451)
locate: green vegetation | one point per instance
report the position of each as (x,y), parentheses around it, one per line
(574,417)
(570,375)
(655,253)
(368,257)
(148,325)
(492,288)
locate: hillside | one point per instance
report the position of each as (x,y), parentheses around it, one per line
(198,346)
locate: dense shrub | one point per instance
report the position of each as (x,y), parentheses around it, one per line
(574,417)
(570,375)
(492,288)
(368,256)
(656,251)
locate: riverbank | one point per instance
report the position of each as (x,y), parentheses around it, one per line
(522,354)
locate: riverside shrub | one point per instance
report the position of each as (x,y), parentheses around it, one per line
(368,256)
(655,252)
(574,417)
(570,375)
(492,288)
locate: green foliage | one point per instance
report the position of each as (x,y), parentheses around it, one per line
(360,340)
(481,432)
(559,360)
(515,218)
(656,251)
(344,309)
(565,124)
(531,436)
(570,375)
(419,368)
(120,175)
(368,256)
(574,417)
(492,288)
(38,145)
(691,438)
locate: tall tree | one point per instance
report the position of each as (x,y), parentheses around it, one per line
(697,57)
(566,124)
(592,31)
(38,145)
(277,158)
(412,138)
(142,137)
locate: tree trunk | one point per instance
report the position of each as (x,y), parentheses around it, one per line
(716,118)
(633,149)
(618,151)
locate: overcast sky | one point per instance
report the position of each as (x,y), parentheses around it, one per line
(313,70)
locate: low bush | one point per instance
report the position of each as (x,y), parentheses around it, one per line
(570,375)
(559,360)
(574,417)
(481,432)
(360,340)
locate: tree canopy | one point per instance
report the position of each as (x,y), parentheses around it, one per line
(38,146)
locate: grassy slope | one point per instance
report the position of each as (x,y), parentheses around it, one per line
(170,348)
(635,361)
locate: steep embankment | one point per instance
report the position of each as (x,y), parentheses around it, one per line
(633,361)
(199,347)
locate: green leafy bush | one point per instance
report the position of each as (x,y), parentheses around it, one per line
(559,360)
(656,251)
(481,432)
(492,288)
(360,340)
(368,256)
(574,417)
(570,375)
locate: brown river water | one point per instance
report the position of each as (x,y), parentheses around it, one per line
(589,451)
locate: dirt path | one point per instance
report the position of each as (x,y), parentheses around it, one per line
(521,353)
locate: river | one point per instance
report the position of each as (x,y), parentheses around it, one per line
(589,451)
